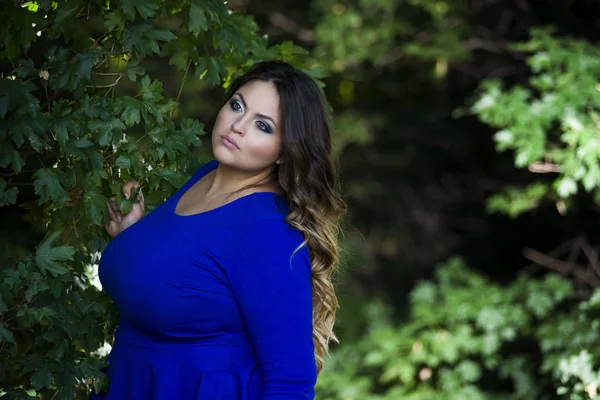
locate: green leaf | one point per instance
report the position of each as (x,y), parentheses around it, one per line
(95,107)
(115,20)
(91,367)
(86,62)
(125,205)
(7,197)
(134,71)
(83,143)
(95,206)
(131,114)
(198,21)
(566,187)
(146,8)
(66,12)
(52,259)
(42,377)
(191,129)
(123,161)
(36,285)
(62,127)
(5,334)
(540,303)
(164,35)
(48,187)
(151,90)
(104,130)
(211,69)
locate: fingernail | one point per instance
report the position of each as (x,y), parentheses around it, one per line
(127,196)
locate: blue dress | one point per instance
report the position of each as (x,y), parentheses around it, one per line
(212,306)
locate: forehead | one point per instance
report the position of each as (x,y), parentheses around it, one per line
(261,97)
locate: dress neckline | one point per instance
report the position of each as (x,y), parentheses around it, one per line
(208,167)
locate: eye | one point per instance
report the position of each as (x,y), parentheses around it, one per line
(235,105)
(263,126)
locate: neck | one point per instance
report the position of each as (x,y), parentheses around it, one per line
(226,180)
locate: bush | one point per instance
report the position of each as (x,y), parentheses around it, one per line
(468,338)
(81,114)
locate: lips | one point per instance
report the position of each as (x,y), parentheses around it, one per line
(230,141)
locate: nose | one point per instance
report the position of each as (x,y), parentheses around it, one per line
(239,125)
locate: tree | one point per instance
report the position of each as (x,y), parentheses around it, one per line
(537,338)
(81,114)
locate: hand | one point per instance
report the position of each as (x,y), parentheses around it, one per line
(118,222)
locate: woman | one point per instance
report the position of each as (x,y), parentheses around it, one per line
(224,290)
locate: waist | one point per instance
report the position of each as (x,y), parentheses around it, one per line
(224,351)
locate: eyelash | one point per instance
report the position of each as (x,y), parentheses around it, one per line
(263,126)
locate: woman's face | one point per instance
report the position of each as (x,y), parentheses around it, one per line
(246,135)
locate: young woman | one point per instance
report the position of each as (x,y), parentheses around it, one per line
(224,290)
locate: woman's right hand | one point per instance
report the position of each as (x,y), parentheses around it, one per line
(118,222)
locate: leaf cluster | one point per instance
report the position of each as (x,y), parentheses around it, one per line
(468,338)
(80,115)
(551,123)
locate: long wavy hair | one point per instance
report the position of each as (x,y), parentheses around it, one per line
(307,177)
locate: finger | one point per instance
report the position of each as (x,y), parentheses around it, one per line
(116,210)
(110,229)
(128,186)
(132,216)
(138,209)
(141,202)
(111,213)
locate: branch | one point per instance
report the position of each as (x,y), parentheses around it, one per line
(106,86)
(543,167)
(181,87)
(592,255)
(562,267)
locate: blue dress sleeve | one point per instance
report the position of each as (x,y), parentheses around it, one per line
(273,290)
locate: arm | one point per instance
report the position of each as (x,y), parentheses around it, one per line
(275,298)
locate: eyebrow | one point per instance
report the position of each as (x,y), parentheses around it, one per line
(260,115)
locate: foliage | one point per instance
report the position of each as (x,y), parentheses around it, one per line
(368,30)
(551,124)
(468,338)
(81,114)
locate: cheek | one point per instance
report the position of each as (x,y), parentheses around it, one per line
(220,121)
(265,148)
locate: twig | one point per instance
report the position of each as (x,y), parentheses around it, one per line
(592,255)
(562,267)
(39,159)
(75,227)
(47,98)
(543,167)
(181,87)
(106,86)
(49,128)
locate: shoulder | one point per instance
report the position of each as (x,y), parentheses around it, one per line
(272,241)
(270,232)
